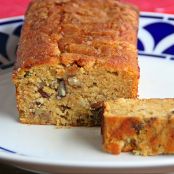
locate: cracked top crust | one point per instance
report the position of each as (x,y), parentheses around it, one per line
(102,32)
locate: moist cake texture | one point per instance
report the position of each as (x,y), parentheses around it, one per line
(72,54)
(143,126)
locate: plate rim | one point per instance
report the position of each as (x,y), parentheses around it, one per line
(17,158)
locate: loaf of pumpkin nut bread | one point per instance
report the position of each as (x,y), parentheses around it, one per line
(143,126)
(72,54)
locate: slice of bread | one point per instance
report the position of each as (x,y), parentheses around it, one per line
(143,126)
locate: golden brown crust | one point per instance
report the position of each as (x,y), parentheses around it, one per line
(100,32)
(146,133)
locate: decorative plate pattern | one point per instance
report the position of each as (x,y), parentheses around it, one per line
(9,36)
(156,36)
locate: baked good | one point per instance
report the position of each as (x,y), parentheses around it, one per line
(71,54)
(143,126)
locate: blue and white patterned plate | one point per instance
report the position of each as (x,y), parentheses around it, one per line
(45,148)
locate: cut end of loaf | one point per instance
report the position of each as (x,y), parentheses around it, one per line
(55,94)
(142,126)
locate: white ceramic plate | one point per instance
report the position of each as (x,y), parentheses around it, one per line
(78,150)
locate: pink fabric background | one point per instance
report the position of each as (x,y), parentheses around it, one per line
(9,8)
